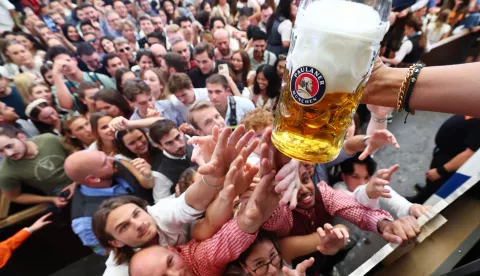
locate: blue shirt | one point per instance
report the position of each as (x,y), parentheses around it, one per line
(83,226)
(167,111)
(15,100)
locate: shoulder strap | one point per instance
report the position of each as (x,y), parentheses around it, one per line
(232,120)
(93,76)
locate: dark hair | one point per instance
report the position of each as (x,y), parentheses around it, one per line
(84,86)
(243,73)
(41,126)
(37,45)
(55,51)
(169,16)
(122,149)
(118,78)
(204,47)
(44,70)
(216,18)
(203,17)
(99,224)
(9,131)
(158,36)
(422,43)
(148,53)
(85,49)
(106,38)
(252,29)
(259,35)
(262,236)
(113,97)
(108,57)
(70,143)
(203,4)
(181,19)
(174,60)
(65,32)
(283,10)
(86,23)
(274,82)
(265,6)
(348,168)
(94,118)
(186,178)
(160,129)
(144,17)
(135,87)
(218,79)
(5,33)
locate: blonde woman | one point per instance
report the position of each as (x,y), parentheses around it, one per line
(129,32)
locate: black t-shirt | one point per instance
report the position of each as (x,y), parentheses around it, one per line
(457,134)
(199,80)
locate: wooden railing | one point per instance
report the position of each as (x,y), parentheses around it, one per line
(451,50)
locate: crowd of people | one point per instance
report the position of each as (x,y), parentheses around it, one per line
(150,123)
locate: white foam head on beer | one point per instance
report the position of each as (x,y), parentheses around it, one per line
(338,38)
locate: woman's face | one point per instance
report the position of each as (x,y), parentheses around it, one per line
(48,115)
(48,76)
(24,41)
(168,7)
(42,92)
(281,68)
(163,16)
(293,9)
(73,34)
(110,109)
(127,76)
(104,132)
(136,142)
(264,260)
(145,63)
(108,46)
(262,81)
(237,62)
(128,33)
(81,129)
(153,81)
(207,8)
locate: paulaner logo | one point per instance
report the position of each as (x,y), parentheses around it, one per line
(307,85)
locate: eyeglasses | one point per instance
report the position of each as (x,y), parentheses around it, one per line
(92,40)
(125,49)
(263,269)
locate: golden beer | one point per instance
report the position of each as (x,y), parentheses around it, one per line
(328,64)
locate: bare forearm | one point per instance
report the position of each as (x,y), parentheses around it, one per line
(65,99)
(456,162)
(143,123)
(433,90)
(373,125)
(297,246)
(354,145)
(200,195)
(31,199)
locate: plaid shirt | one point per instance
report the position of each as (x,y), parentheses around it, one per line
(336,203)
(211,257)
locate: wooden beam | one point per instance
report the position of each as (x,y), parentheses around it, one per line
(4,206)
(23,215)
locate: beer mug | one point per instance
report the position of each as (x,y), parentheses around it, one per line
(332,50)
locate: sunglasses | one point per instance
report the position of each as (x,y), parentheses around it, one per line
(92,40)
(125,49)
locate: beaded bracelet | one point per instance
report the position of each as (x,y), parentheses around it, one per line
(408,94)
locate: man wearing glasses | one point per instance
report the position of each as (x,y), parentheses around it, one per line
(125,52)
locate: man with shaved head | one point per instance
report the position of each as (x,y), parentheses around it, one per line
(100,177)
(222,45)
(158,50)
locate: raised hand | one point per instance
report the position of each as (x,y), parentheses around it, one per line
(143,167)
(240,175)
(228,147)
(376,186)
(40,223)
(399,230)
(187,129)
(378,140)
(332,239)
(204,146)
(152,113)
(300,270)
(118,123)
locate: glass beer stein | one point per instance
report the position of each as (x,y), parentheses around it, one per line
(332,50)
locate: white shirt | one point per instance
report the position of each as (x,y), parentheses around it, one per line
(397,205)
(201,94)
(243,105)
(6,21)
(434,35)
(285,29)
(170,214)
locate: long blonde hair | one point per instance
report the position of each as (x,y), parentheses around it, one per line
(23,82)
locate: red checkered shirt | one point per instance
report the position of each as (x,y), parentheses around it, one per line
(336,203)
(211,257)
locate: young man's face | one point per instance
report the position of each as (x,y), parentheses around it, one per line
(19,54)
(204,62)
(306,193)
(217,95)
(113,65)
(146,26)
(157,23)
(265,14)
(87,29)
(186,96)
(143,102)
(89,100)
(70,64)
(90,13)
(130,226)
(359,177)
(259,47)
(206,119)
(13,148)
(92,61)
(174,143)
(7,114)
(186,28)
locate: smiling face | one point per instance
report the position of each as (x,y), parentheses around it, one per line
(108,46)
(237,62)
(262,81)
(206,119)
(306,193)
(72,34)
(136,142)
(131,226)
(263,260)
(145,63)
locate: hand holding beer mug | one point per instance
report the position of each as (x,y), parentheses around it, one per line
(333,48)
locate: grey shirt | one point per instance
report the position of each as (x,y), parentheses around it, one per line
(321,170)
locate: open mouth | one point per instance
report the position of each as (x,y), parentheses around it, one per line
(306,199)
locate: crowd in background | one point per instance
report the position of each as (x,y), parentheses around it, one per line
(120,112)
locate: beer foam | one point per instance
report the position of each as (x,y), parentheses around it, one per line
(338,38)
